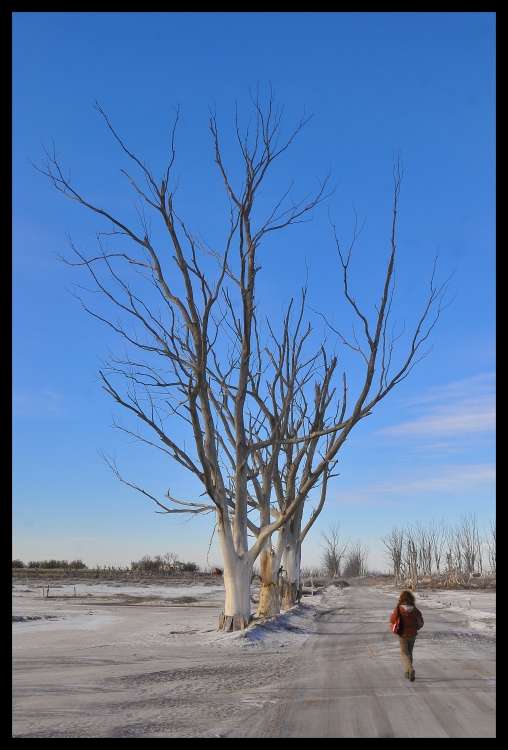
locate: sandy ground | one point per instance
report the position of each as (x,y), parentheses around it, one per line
(147,661)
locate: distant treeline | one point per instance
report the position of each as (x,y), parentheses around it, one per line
(458,553)
(168,563)
(60,564)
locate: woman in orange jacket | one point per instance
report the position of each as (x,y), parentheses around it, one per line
(411,620)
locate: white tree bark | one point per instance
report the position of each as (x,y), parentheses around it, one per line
(237,577)
(291,578)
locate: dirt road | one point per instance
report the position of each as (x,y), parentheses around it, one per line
(126,663)
(351,680)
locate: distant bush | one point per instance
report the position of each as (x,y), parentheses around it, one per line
(146,564)
(77,565)
(18,564)
(188,567)
(51,564)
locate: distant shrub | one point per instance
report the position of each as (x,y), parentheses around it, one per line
(77,565)
(18,564)
(50,564)
(188,567)
(146,564)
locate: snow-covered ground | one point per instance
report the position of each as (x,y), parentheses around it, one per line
(123,660)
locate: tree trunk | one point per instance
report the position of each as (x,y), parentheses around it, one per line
(269,563)
(270,566)
(290,585)
(237,576)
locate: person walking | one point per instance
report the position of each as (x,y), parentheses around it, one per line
(411,620)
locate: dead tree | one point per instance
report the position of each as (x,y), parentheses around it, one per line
(394,546)
(454,564)
(463,551)
(490,540)
(334,550)
(471,544)
(424,549)
(192,358)
(411,559)
(437,535)
(183,319)
(356,560)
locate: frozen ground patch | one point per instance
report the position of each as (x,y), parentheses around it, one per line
(108,589)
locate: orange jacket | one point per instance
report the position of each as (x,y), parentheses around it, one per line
(408,619)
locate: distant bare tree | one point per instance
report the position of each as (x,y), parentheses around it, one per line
(437,535)
(170,558)
(491,547)
(394,543)
(463,551)
(470,543)
(453,562)
(356,560)
(413,551)
(410,558)
(423,542)
(334,550)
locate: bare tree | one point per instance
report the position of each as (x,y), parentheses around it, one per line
(182,326)
(490,539)
(170,558)
(423,542)
(192,355)
(356,560)
(413,551)
(437,535)
(463,551)
(411,559)
(470,543)
(394,545)
(334,550)
(453,558)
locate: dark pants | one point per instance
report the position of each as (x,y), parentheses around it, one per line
(406,650)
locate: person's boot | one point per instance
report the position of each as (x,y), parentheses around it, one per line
(411,675)
(406,673)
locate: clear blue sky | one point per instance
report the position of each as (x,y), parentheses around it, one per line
(375,83)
